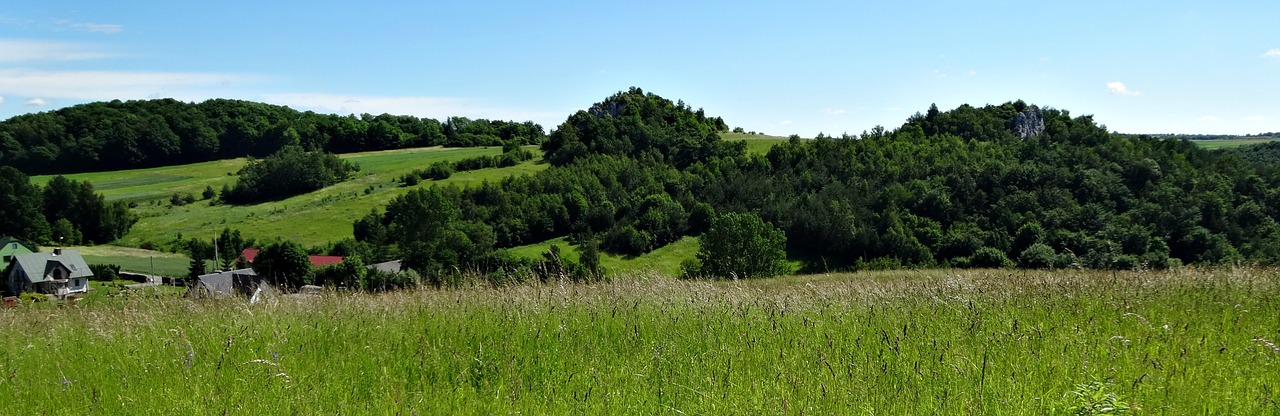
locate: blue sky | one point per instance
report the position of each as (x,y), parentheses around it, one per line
(777,67)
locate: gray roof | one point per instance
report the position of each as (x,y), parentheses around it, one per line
(393,266)
(222,284)
(39,267)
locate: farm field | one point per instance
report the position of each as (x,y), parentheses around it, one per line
(311,219)
(137,260)
(1229,143)
(1186,341)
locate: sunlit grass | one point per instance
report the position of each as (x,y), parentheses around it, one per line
(315,218)
(903,342)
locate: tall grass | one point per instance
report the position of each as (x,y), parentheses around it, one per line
(933,342)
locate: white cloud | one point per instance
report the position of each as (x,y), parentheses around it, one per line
(91,27)
(1118,88)
(1255,118)
(19,50)
(784,122)
(111,85)
(973,73)
(98,27)
(1044,60)
(1272,53)
(833,111)
(435,107)
(1,99)
(37,102)
(938,73)
(1209,119)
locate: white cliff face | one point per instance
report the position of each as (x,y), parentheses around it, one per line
(1028,123)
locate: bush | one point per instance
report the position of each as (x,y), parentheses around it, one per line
(991,258)
(741,245)
(31,297)
(105,272)
(1037,256)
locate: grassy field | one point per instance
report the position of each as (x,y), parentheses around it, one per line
(137,260)
(756,143)
(311,219)
(1229,143)
(663,261)
(908,342)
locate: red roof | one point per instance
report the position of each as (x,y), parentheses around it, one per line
(319,261)
(316,261)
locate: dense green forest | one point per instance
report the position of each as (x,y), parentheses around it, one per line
(64,211)
(995,186)
(114,135)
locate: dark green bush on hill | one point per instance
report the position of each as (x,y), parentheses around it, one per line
(291,171)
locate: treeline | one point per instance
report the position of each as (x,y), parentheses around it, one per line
(130,134)
(64,211)
(996,186)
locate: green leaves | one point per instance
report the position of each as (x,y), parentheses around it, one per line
(741,245)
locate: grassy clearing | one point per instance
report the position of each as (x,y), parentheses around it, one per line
(663,261)
(312,219)
(1229,143)
(756,143)
(137,260)
(932,342)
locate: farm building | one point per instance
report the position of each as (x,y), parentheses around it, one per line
(59,272)
(241,282)
(10,246)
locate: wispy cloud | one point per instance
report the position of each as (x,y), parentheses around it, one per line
(20,50)
(436,107)
(833,111)
(1255,118)
(938,73)
(110,85)
(1,99)
(36,102)
(784,122)
(92,27)
(1118,88)
(1272,53)
(1209,119)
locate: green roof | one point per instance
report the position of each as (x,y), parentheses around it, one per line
(10,246)
(39,267)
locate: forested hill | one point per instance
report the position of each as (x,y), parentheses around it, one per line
(114,135)
(1000,185)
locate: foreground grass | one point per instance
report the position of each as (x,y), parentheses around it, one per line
(937,342)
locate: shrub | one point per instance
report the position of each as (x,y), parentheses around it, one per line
(742,245)
(990,257)
(105,272)
(31,297)
(1037,256)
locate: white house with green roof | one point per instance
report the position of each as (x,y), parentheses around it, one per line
(58,272)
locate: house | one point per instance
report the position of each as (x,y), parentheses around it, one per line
(241,282)
(393,266)
(316,261)
(10,246)
(59,272)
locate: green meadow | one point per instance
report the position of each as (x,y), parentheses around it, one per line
(756,143)
(315,218)
(1230,143)
(1186,341)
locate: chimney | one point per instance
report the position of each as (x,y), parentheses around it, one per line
(57,251)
